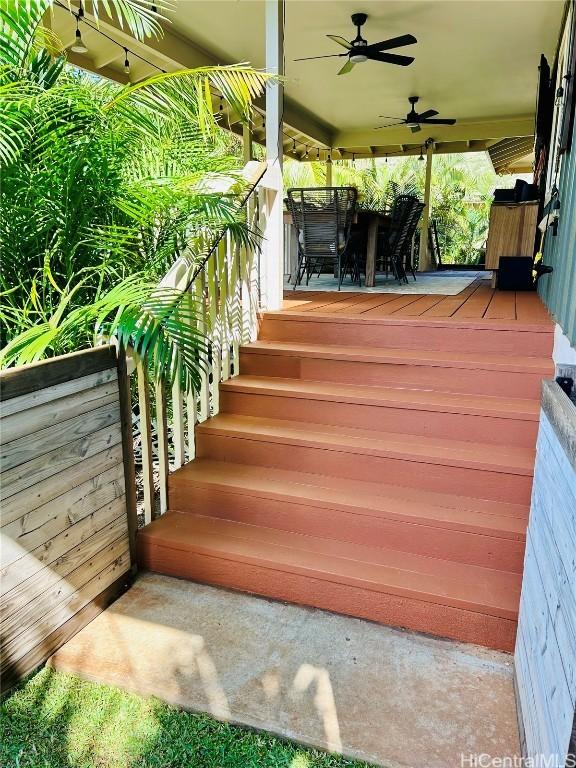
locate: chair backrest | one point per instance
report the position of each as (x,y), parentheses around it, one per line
(409,212)
(322,217)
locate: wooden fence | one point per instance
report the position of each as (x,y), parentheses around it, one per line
(545,658)
(68,501)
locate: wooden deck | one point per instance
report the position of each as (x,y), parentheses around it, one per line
(477,302)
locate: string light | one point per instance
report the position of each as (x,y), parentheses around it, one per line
(79,44)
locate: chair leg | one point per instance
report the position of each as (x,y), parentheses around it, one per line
(299,271)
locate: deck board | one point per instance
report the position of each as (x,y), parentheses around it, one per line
(502,306)
(478,301)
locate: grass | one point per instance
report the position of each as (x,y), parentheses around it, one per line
(54,720)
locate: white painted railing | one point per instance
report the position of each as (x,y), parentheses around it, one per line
(227,295)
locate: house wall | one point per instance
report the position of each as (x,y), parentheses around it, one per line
(67,531)
(545,656)
(558,290)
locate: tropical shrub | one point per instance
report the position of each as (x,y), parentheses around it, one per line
(102,188)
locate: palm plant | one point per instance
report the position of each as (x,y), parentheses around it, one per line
(102,188)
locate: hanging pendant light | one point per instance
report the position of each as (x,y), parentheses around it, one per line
(80,10)
(126,62)
(79,45)
(421,154)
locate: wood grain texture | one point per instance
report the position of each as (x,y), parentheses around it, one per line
(65,530)
(545,656)
(511,231)
(23,380)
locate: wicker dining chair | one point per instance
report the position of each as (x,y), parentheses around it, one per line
(323,217)
(405,216)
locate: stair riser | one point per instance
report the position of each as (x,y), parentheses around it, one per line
(461,481)
(453,426)
(444,621)
(438,378)
(406,336)
(367,529)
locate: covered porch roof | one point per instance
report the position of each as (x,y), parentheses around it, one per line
(475,61)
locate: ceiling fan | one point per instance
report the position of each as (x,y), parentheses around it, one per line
(358,50)
(415,120)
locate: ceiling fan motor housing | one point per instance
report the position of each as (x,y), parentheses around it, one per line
(357,56)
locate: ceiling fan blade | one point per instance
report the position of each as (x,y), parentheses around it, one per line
(394,42)
(389,125)
(415,128)
(327,56)
(439,122)
(348,67)
(391,58)
(392,117)
(427,114)
(341,41)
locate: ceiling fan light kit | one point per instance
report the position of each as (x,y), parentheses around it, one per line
(358,51)
(415,120)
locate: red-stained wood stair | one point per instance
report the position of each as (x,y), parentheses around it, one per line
(368,465)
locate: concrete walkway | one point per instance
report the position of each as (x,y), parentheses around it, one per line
(371,692)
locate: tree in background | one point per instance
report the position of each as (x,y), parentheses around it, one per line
(461,192)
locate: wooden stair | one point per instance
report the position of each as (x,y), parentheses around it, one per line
(370,466)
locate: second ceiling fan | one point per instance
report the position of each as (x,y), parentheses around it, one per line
(415,120)
(358,50)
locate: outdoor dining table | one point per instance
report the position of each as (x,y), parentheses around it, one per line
(374,220)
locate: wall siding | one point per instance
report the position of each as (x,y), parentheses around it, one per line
(558,290)
(65,534)
(545,656)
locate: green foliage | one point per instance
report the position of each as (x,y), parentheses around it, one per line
(103,187)
(461,191)
(58,721)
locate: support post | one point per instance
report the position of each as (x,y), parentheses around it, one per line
(424,261)
(329,172)
(273,246)
(246,143)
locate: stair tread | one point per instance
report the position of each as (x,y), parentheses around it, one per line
(545,326)
(372,395)
(417,448)
(482,516)
(480,361)
(388,571)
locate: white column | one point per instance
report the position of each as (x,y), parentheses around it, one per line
(273,246)
(424,261)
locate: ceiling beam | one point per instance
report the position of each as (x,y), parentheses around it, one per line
(462,131)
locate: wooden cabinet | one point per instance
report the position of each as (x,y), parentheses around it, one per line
(512,231)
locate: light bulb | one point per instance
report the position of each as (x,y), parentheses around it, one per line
(358,58)
(79,45)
